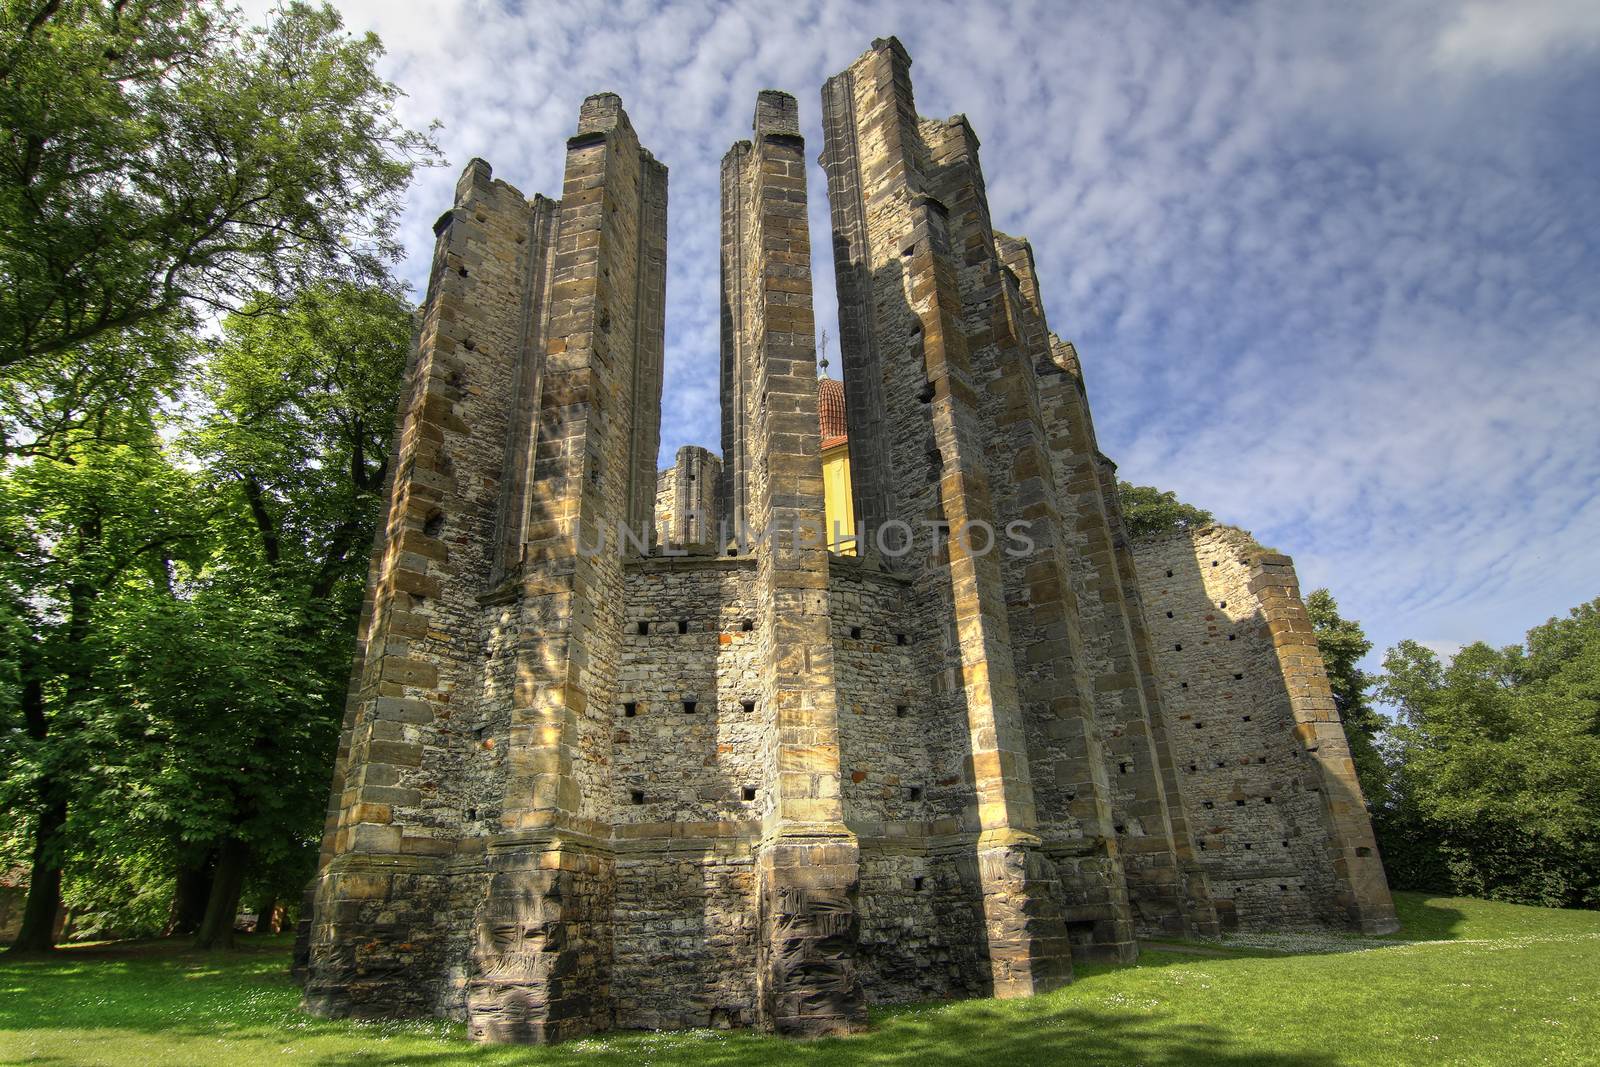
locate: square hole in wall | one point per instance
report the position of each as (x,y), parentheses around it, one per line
(1261,759)
(683,626)
(1247,846)
(1194,767)
(1169,574)
(855,633)
(901,711)
(636,795)
(914,793)
(1238,677)
(1169,614)
(1266,800)
(1230,637)
(1239,803)
(917,882)
(1222,604)
(1282,888)
(1208,805)
(1122,767)
(1246,719)
(630,708)
(749,792)
(1199,726)
(689,706)
(643,627)
(1177,648)
(472,814)
(899,639)
(747,625)
(1120,829)
(748,706)
(1184,684)
(1285,844)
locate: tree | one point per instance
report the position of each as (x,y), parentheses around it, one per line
(1150,512)
(1343,643)
(98,521)
(1498,758)
(161,157)
(303,411)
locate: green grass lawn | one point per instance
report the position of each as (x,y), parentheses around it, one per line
(1466,982)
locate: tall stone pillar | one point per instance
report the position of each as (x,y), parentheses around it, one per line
(373,944)
(808,866)
(1166,890)
(914,397)
(542,951)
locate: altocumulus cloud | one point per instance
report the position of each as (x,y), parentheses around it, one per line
(1332,268)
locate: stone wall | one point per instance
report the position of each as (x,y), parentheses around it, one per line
(1268,782)
(687,506)
(587,782)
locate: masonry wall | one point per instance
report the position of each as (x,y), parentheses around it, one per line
(480,715)
(688,507)
(1268,783)
(958,413)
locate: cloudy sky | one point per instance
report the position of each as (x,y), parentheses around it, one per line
(1332,268)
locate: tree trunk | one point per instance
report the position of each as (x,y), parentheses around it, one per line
(216,930)
(38,933)
(190,897)
(266,913)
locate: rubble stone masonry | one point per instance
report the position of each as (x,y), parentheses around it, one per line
(688,775)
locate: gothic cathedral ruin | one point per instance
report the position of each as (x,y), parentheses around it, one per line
(693,778)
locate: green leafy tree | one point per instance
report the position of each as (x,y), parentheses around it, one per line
(1343,643)
(1150,512)
(96,522)
(161,156)
(1498,761)
(303,410)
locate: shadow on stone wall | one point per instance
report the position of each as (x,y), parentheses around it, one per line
(1273,828)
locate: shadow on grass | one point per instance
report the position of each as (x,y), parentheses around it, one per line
(1423,917)
(246,1002)
(1060,1036)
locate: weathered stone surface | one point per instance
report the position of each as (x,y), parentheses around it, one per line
(696,777)
(1269,785)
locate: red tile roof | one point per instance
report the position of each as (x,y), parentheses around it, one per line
(830,412)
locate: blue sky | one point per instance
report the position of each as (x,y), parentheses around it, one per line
(1332,268)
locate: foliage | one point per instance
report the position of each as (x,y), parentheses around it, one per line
(162,154)
(183,559)
(1151,512)
(1343,643)
(1500,984)
(1497,758)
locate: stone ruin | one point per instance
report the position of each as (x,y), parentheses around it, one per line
(762,783)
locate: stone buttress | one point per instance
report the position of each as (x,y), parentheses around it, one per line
(1271,792)
(465,868)
(807,866)
(994,633)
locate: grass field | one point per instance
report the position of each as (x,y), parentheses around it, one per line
(1466,982)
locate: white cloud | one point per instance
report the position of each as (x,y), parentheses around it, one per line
(1504,36)
(1331,269)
